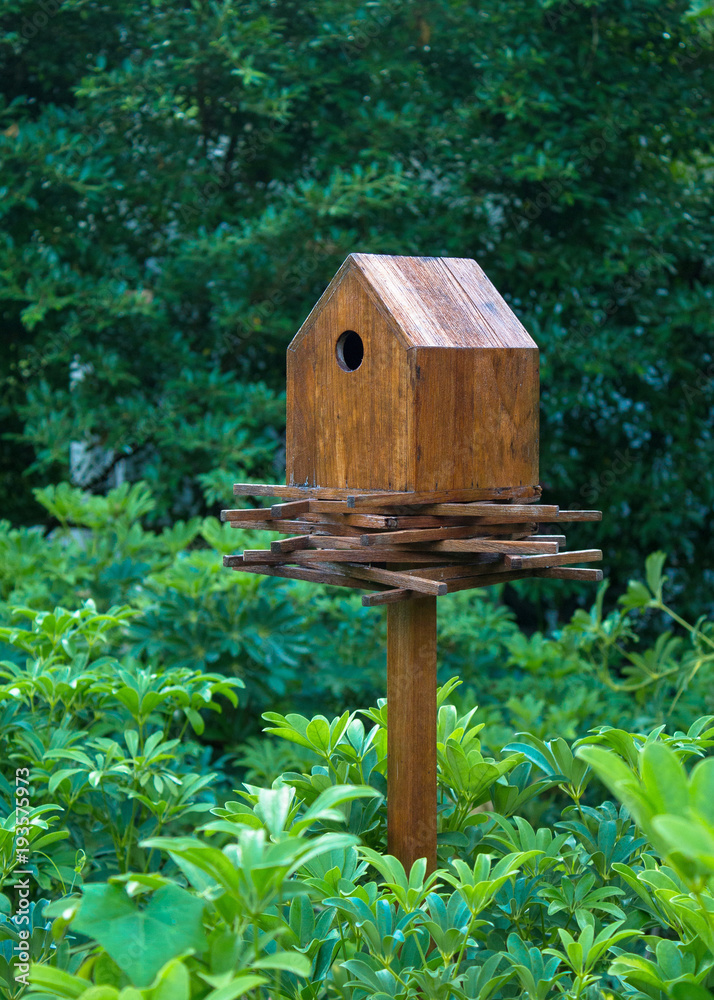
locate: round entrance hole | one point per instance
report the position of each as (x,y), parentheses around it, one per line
(349,351)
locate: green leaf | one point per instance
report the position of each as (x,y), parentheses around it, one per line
(664,778)
(688,837)
(701,789)
(172,983)
(653,572)
(237,987)
(689,991)
(288,961)
(141,941)
(318,733)
(56,981)
(636,598)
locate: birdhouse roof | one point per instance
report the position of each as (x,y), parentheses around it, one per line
(431,301)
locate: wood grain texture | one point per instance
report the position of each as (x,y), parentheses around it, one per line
(411,745)
(441,301)
(475,420)
(408,535)
(290,527)
(352,519)
(293,508)
(495,514)
(395,578)
(357,554)
(579,515)
(487,580)
(534,562)
(450,571)
(304,573)
(333,499)
(386,597)
(571,573)
(300,431)
(446,395)
(560,539)
(360,418)
(501,546)
(246,514)
(290,544)
(458,495)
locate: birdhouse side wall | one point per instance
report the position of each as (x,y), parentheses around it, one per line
(475,417)
(349,428)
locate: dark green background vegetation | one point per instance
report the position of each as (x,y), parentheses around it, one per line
(180,182)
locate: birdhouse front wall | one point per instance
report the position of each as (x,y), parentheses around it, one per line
(349,428)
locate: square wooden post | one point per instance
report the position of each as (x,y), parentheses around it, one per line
(411,747)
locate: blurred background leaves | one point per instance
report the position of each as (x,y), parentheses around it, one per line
(180,182)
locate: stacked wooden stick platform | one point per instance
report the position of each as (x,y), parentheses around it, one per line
(404,545)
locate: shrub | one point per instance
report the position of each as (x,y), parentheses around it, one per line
(106,743)
(287,891)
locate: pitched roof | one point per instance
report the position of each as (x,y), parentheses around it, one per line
(432,301)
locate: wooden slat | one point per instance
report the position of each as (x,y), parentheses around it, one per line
(354,520)
(336,526)
(579,515)
(561,559)
(491,545)
(280,526)
(413,497)
(361,555)
(479,564)
(302,526)
(560,539)
(309,575)
(233,561)
(290,544)
(387,597)
(294,492)
(396,579)
(334,542)
(571,573)
(574,573)
(248,514)
(489,511)
(294,508)
(486,580)
(419,535)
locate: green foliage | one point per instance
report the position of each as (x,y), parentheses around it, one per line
(182,180)
(151,880)
(105,743)
(276,895)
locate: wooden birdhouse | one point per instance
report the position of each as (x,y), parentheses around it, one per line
(412,473)
(412,374)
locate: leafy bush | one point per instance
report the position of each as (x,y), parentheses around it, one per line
(152,881)
(105,740)
(287,891)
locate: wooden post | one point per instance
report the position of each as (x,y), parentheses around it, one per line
(411,756)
